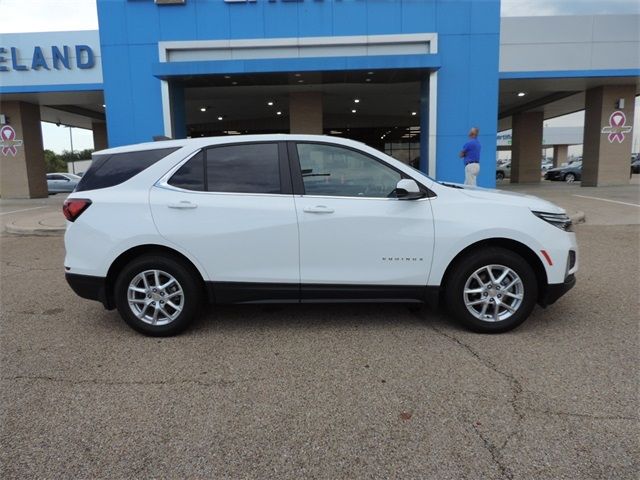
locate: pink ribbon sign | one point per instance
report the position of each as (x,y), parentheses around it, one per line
(8,141)
(617,128)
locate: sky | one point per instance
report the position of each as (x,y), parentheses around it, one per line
(39,16)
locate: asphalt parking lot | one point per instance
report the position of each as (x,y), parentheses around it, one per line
(330,391)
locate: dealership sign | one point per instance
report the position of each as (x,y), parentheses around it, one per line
(617,128)
(45,58)
(8,142)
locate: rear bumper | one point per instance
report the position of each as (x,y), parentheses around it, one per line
(556,290)
(89,287)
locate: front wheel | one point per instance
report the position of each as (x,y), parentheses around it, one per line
(499,176)
(492,290)
(158,296)
(569,178)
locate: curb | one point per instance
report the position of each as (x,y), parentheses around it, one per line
(578,217)
(39,231)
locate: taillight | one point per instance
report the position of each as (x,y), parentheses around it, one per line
(74,207)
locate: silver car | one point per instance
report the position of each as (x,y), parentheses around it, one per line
(503,170)
(62,182)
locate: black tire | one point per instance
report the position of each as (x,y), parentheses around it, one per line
(470,263)
(185,275)
(569,178)
(499,175)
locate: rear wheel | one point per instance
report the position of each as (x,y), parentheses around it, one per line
(157,296)
(490,291)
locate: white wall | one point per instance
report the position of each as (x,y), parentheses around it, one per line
(583,42)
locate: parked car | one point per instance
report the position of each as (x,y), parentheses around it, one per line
(61,182)
(569,173)
(546,165)
(635,166)
(503,170)
(154,229)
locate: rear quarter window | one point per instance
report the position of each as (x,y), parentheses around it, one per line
(113,169)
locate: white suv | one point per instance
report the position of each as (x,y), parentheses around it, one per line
(156,229)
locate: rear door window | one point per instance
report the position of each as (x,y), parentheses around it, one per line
(190,176)
(113,169)
(243,168)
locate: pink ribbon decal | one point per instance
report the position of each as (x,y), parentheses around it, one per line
(617,128)
(8,141)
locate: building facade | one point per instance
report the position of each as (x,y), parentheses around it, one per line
(408,77)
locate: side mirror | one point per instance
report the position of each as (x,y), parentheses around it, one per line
(408,189)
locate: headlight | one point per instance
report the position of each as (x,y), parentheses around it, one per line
(560,220)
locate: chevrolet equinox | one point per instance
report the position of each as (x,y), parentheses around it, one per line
(157,229)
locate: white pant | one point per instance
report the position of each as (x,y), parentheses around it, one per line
(471,171)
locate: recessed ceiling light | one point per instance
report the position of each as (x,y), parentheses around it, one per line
(300,81)
(103,105)
(270,104)
(370,73)
(356,100)
(521,94)
(278,113)
(414,113)
(353,111)
(227,77)
(203,109)
(234,83)
(296,75)
(367,79)
(220,117)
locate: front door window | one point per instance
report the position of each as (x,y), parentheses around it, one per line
(334,171)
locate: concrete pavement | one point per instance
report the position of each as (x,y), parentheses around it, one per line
(322,391)
(325,391)
(38,216)
(601,205)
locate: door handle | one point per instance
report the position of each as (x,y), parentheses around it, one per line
(318,209)
(184,205)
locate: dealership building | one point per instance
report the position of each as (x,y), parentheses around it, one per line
(409,77)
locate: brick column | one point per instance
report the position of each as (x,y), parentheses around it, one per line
(99,135)
(305,113)
(560,153)
(22,169)
(526,147)
(607,141)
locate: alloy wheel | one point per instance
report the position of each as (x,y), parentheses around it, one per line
(493,293)
(155,297)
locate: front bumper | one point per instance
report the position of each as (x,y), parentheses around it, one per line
(556,290)
(90,287)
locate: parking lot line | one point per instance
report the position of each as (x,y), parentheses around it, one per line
(22,210)
(607,200)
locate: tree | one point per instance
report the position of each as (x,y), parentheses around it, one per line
(53,162)
(85,154)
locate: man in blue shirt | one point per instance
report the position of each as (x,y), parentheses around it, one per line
(471,155)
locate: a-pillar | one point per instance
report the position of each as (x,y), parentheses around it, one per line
(305,112)
(607,135)
(99,135)
(22,169)
(526,147)
(560,153)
